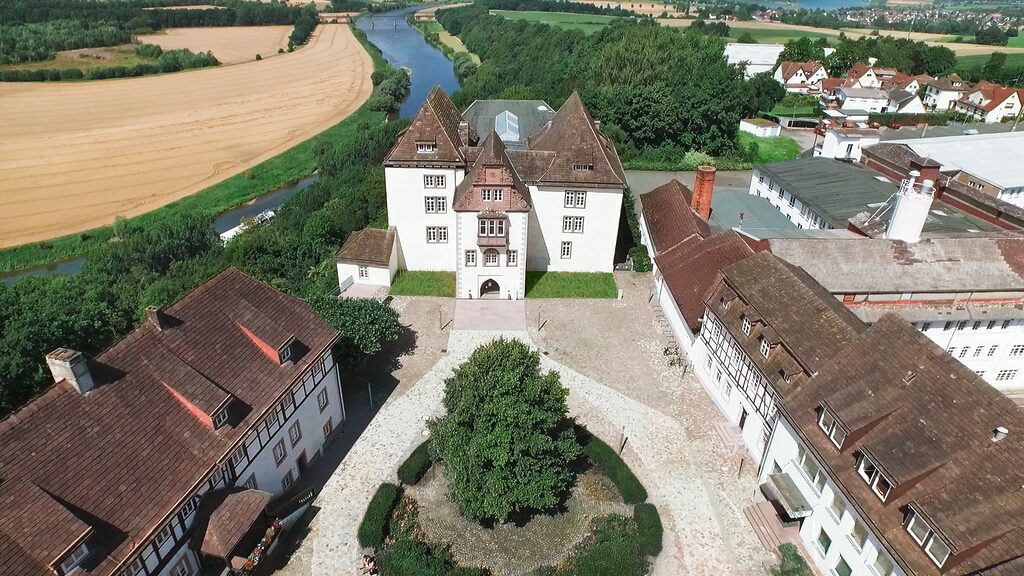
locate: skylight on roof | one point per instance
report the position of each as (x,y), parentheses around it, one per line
(506,125)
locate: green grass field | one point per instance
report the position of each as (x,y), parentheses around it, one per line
(978,60)
(286,168)
(586,23)
(423,283)
(778,149)
(776,36)
(100,58)
(1013,42)
(571,285)
(446,38)
(781,110)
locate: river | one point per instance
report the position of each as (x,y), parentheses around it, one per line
(402,46)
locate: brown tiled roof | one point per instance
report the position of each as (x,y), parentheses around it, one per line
(368,246)
(790,68)
(812,323)
(928,422)
(946,83)
(37,530)
(691,268)
(994,95)
(493,170)
(234,515)
(573,137)
(127,454)
(436,122)
(670,220)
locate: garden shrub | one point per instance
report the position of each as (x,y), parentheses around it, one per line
(641,259)
(612,549)
(411,557)
(374,526)
(416,465)
(793,564)
(648,525)
(630,488)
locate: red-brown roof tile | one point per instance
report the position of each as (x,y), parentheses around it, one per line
(368,246)
(669,218)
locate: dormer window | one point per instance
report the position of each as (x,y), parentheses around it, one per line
(828,424)
(73,560)
(220,418)
(870,473)
(746,326)
(285,354)
(766,347)
(582,166)
(426,147)
(923,534)
(725,303)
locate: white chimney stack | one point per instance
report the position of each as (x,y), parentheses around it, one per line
(911,212)
(1000,433)
(70,365)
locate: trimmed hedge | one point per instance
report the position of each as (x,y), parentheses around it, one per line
(632,491)
(374,526)
(416,465)
(410,557)
(648,525)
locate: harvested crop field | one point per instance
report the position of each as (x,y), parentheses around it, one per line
(230,45)
(74,156)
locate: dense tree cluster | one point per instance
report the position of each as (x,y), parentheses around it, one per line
(903,54)
(559,6)
(169,61)
(33,30)
(658,91)
(304,26)
(720,28)
(991,35)
(391,87)
(506,441)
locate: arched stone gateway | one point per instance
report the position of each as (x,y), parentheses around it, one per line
(490,289)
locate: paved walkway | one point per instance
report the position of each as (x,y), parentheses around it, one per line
(492,315)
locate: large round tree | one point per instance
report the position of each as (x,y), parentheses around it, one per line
(506,441)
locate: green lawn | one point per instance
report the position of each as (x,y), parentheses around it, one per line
(586,23)
(286,168)
(423,283)
(1013,42)
(776,35)
(571,285)
(778,149)
(978,60)
(446,37)
(794,111)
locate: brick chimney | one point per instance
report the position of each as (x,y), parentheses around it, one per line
(157,317)
(928,168)
(70,365)
(702,190)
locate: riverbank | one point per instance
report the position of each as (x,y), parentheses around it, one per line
(282,170)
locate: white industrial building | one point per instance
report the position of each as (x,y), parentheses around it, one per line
(504,187)
(846,143)
(757,58)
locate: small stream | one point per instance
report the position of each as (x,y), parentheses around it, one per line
(402,46)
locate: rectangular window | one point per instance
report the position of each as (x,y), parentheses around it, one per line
(1006,375)
(746,326)
(582,167)
(76,557)
(322,399)
(470,257)
(926,326)
(286,482)
(882,565)
(251,483)
(837,508)
(575,199)
(433,180)
(512,258)
(220,418)
(492,227)
(992,351)
(435,204)
(279,452)
(294,433)
(1017,350)
(491,257)
(437,234)
(566,250)
(843,568)
(425,147)
(823,542)
(1006,324)
(328,427)
(182,568)
(859,535)
(961,325)
(964,351)
(978,350)
(947,326)
(364,272)
(918,528)
(991,325)
(792,200)
(766,347)
(163,535)
(572,224)
(492,195)
(937,550)
(237,456)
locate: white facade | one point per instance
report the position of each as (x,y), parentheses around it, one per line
(939,99)
(407,192)
(301,423)
(845,145)
(866,99)
(911,106)
(479,266)
(1009,107)
(350,273)
(762,128)
(799,81)
(992,349)
(847,537)
(790,206)
(593,249)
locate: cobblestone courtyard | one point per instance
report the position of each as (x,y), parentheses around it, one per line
(610,356)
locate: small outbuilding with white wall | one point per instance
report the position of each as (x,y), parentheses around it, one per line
(760,127)
(368,258)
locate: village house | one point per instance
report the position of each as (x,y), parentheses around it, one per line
(942,93)
(904,101)
(895,460)
(846,143)
(131,462)
(860,102)
(990,102)
(801,77)
(504,187)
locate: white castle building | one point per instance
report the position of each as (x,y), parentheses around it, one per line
(504,187)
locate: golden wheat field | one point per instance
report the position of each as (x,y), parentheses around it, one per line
(230,45)
(75,155)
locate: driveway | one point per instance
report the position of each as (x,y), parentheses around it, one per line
(609,354)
